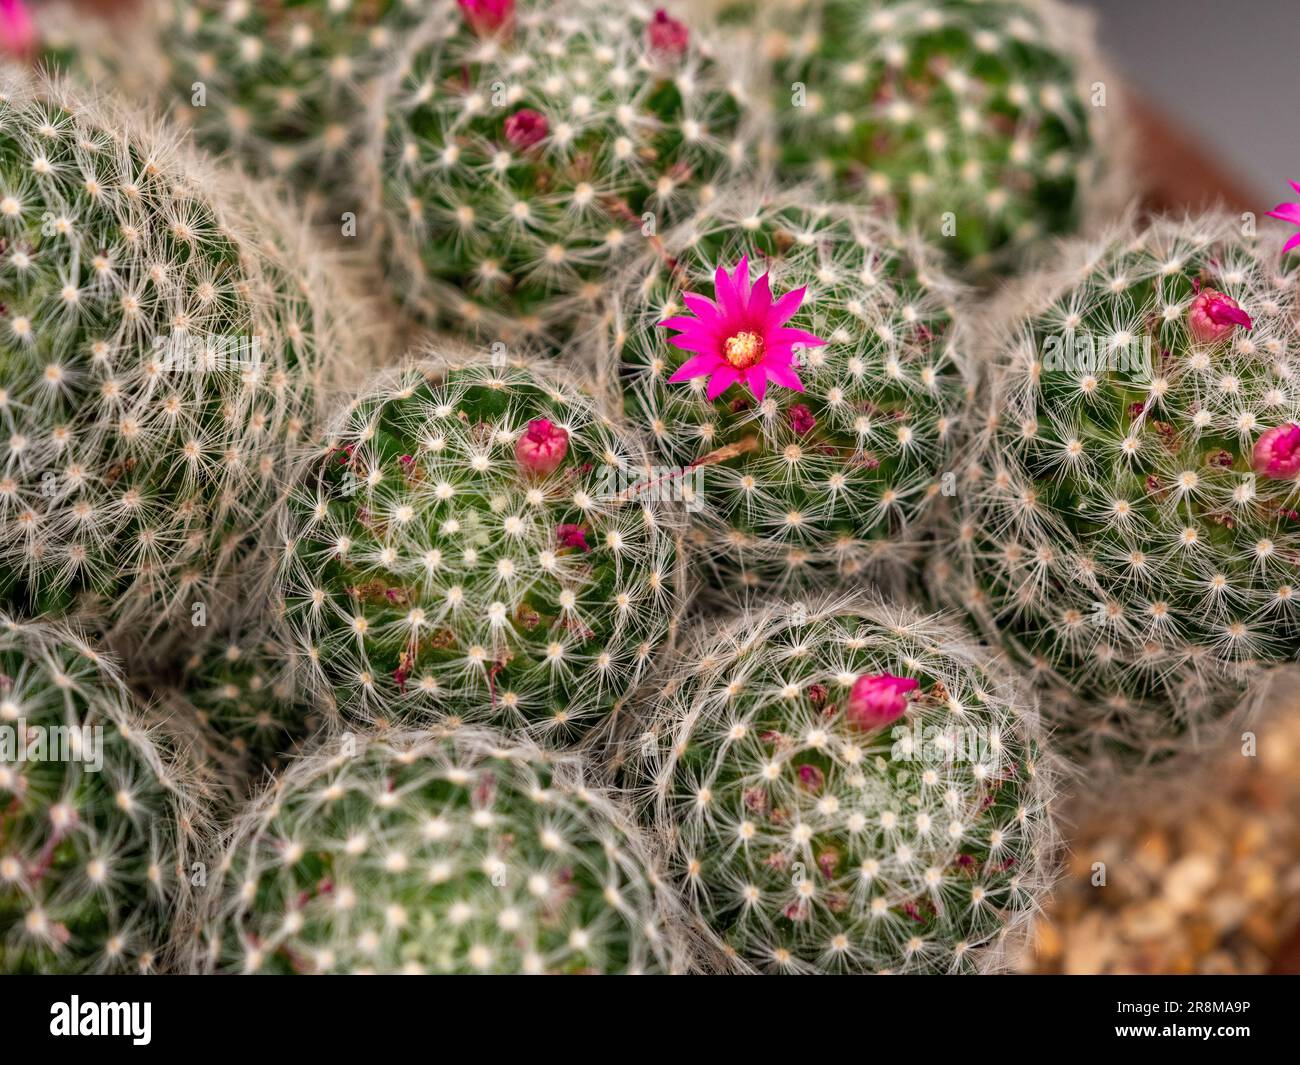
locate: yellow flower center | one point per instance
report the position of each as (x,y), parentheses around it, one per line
(743,350)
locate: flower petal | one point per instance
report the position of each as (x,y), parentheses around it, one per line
(1286,212)
(699,366)
(756,378)
(785,376)
(721,381)
(703,307)
(1293,242)
(760,299)
(784,308)
(798,336)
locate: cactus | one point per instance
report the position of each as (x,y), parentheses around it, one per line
(963,117)
(1129,522)
(166,335)
(836,466)
(98,809)
(523,158)
(442,852)
(479,541)
(820,820)
(283,87)
(242,689)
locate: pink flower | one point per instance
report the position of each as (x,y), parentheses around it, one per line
(1277,452)
(742,337)
(572,536)
(877,699)
(526,127)
(17,34)
(666,35)
(487,16)
(1288,212)
(1213,316)
(542,447)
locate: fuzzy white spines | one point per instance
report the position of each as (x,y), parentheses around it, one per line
(167,337)
(805,843)
(1114,529)
(427,572)
(439,852)
(99,808)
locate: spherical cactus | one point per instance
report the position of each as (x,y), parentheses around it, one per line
(847,787)
(966,117)
(283,87)
(811,397)
(98,810)
(1130,522)
(438,852)
(524,154)
(165,336)
(480,541)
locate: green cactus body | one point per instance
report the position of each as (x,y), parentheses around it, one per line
(438,852)
(519,167)
(845,476)
(962,116)
(161,351)
(284,85)
(96,812)
(429,569)
(1120,528)
(244,689)
(809,836)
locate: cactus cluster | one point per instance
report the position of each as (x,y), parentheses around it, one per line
(478,541)
(1129,523)
(164,340)
(836,466)
(525,152)
(963,118)
(98,810)
(284,86)
(819,819)
(435,852)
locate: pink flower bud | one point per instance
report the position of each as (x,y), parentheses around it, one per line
(801,419)
(1277,453)
(542,447)
(572,536)
(877,699)
(666,35)
(526,127)
(811,778)
(1213,316)
(488,16)
(17,34)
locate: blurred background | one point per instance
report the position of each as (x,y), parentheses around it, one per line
(1222,74)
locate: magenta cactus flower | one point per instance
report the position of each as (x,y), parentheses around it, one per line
(542,448)
(574,536)
(1213,316)
(526,127)
(1288,212)
(877,699)
(741,338)
(17,32)
(1277,453)
(488,16)
(666,35)
(801,419)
